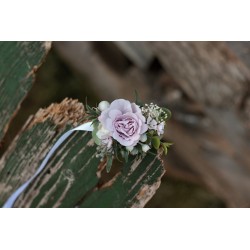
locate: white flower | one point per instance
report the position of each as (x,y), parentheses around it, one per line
(107,142)
(152,123)
(129,148)
(160,128)
(102,133)
(143,137)
(145,148)
(134,151)
(103,105)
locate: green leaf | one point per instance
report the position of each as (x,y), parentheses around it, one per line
(137,99)
(126,156)
(95,138)
(156,142)
(165,148)
(109,163)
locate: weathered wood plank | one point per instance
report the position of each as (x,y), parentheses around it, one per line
(215,79)
(242,50)
(208,72)
(106,82)
(18,62)
(72,177)
(136,184)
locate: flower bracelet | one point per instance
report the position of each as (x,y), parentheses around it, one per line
(123,128)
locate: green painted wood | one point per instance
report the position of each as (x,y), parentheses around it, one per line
(132,187)
(74,176)
(18,61)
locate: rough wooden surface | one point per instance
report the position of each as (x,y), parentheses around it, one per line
(74,176)
(205,84)
(216,81)
(208,72)
(18,62)
(83,57)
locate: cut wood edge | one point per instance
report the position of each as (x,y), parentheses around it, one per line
(69,111)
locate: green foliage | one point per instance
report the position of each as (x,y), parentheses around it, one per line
(109,163)
(156,142)
(92,113)
(95,138)
(165,146)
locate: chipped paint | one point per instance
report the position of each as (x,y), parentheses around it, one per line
(145,194)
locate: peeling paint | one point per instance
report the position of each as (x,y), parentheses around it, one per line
(145,194)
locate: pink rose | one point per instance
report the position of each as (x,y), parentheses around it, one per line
(124,121)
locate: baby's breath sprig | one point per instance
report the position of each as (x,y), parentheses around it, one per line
(156,112)
(156,119)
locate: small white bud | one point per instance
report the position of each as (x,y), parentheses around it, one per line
(134,151)
(145,148)
(102,133)
(143,138)
(129,148)
(103,105)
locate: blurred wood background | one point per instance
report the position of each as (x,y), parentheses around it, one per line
(206,85)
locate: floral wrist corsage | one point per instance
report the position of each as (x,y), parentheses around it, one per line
(122,128)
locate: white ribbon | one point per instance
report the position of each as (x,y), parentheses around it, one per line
(11,200)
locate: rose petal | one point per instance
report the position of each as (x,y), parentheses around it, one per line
(114,113)
(122,105)
(135,108)
(121,140)
(126,115)
(144,128)
(109,124)
(125,122)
